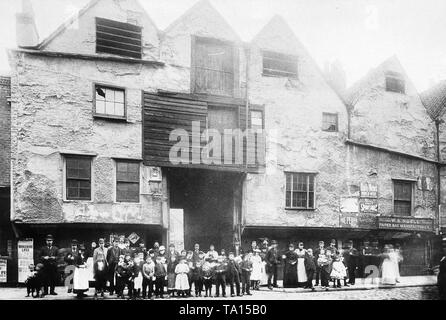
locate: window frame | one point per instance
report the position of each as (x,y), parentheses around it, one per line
(337,121)
(308,175)
(117,182)
(65,176)
(104,115)
(412,196)
(285,74)
(398,77)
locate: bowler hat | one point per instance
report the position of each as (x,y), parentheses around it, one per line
(49,237)
(74,242)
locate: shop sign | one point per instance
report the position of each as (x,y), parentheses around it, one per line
(369,190)
(25,255)
(361,221)
(133,237)
(405,223)
(368,205)
(3,270)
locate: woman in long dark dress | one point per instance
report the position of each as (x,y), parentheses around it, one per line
(290,268)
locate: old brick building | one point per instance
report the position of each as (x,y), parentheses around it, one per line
(94,105)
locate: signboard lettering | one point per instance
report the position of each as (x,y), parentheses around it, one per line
(25,255)
(406,223)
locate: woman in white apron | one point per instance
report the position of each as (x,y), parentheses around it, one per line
(389,266)
(81,274)
(301,271)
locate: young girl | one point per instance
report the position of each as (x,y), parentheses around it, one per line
(338,271)
(181,280)
(172,263)
(120,274)
(257,269)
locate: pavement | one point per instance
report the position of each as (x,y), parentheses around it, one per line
(409,288)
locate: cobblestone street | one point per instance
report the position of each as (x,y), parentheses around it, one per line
(403,293)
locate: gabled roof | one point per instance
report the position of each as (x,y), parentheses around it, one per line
(434,100)
(355,92)
(201,6)
(72,20)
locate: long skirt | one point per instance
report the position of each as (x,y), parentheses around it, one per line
(182,282)
(264,276)
(171,281)
(80,279)
(301,273)
(290,275)
(389,275)
(257,269)
(90,269)
(137,283)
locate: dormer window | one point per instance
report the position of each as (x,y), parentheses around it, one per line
(123,39)
(279,65)
(395,82)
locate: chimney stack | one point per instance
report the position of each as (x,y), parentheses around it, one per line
(26,30)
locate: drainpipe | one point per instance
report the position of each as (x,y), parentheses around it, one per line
(437,132)
(247,55)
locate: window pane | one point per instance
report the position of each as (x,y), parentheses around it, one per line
(311,200)
(119,96)
(100,106)
(100,94)
(288,182)
(288,199)
(311,186)
(109,108)
(119,109)
(329,122)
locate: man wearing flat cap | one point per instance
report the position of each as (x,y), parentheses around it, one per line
(112,258)
(48,257)
(272,259)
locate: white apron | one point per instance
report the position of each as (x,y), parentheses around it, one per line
(257,266)
(90,269)
(138,282)
(301,272)
(80,279)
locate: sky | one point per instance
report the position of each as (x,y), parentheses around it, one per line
(360,34)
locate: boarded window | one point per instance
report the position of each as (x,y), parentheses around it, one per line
(402,197)
(78,178)
(395,82)
(213,67)
(330,122)
(118,38)
(279,65)
(127,181)
(299,191)
(109,102)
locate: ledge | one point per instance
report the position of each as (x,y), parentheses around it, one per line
(77,153)
(54,54)
(403,154)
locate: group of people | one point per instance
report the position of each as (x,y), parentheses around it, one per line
(157,272)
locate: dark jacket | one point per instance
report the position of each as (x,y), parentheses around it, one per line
(351,257)
(51,253)
(246,266)
(310,264)
(70,257)
(233,269)
(113,255)
(272,257)
(160,270)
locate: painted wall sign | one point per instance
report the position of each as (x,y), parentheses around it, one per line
(3,270)
(25,256)
(355,220)
(405,223)
(349,205)
(368,205)
(368,190)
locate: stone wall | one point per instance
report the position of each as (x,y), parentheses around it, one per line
(5,131)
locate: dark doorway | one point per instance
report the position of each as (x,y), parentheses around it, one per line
(208,200)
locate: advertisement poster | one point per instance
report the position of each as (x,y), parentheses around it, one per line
(3,268)
(25,255)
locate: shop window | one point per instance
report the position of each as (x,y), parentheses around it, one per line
(279,65)
(330,122)
(109,102)
(299,191)
(402,197)
(118,38)
(127,181)
(78,178)
(395,82)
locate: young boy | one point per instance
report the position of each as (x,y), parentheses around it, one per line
(121,274)
(310,268)
(34,282)
(130,278)
(171,265)
(160,275)
(148,273)
(220,276)
(208,274)
(190,264)
(197,278)
(246,267)
(233,274)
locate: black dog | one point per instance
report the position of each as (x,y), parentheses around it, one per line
(34,283)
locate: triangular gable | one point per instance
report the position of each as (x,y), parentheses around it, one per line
(203,19)
(277,35)
(76,17)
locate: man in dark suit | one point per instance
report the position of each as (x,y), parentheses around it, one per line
(351,256)
(442,273)
(272,259)
(48,257)
(112,261)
